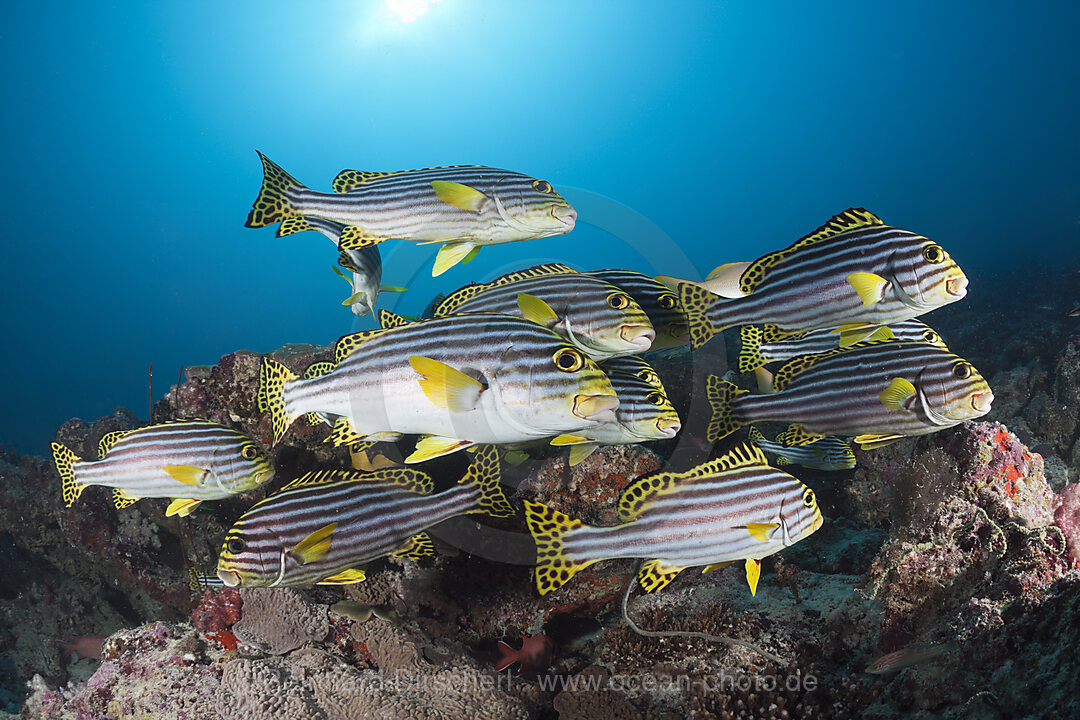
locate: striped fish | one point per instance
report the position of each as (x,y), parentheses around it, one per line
(830,454)
(854,271)
(763,344)
(322,527)
(644,414)
(658,302)
(365,264)
(733,508)
(906,657)
(596,316)
(187,460)
(878,391)
(464,207)
(636,367)
(460,380)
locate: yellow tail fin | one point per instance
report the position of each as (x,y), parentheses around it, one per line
(548,528)
(484,473)
(722,396)
(65,461)
(273,377)
(696,301)
(273,203)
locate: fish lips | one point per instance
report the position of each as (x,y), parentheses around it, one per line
(639,336)
(957,286)
(596,408)
(668,427)
(565,215)
(981,402)
(230,578)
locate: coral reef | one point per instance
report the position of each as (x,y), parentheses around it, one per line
(277,620)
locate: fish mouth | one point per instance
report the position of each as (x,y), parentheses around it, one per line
(565,215)
(957,286)
(669,427)
(230,578)
(596,408)
(640,336)
(980,402)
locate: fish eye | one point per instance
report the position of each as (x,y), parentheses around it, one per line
(666,301)
(962,370)
(235,545)
(618,301)
(808,498)
(931,337)
(568,360)
(933,253)
(542,186)
(249,452)
(655,398)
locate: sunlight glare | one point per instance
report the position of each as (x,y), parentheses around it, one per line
(407,11)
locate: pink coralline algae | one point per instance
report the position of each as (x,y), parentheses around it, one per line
(1004,477)
(217,610)
(1067,517)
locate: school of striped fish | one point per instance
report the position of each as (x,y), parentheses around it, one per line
(551,355)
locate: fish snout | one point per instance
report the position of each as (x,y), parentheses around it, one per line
(566,215)
(640,336)
(957,286)
(669,427)
(596,408)
(981,401)
(228,577)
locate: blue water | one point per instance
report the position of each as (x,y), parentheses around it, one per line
(727,129)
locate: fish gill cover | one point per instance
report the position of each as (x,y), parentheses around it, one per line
(658,142)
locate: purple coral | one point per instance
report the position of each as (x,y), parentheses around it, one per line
(1067,517)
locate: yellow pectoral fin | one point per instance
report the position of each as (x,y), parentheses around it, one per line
(393,289)
(882,333)
(450,255)
(460,196)
(186,474)
(764,381)
(434,446)
(716,566)
(898,395)
(568,439)
(516,457)
(579,452)
(760,531)
(471,256)
(446,387)
(315,545)
(753,572)
(871,287)
(536,310)
(851,334)
(872,442)
(182,507)
(345,577)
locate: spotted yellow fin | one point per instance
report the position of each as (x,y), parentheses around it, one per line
(695,302)
(549,529)
(347,344)
(460,196)
(345,577)
(315,545)
(343,433)
(872,442)
(273,203)
(433,446)
(655,575)
(65,461)
(356,238)
(389,320)
(318,369)
(405,478)
(761,531)
(899,395)
(798,436)
(186,474)
(871,287)
(273,379)
(352,180)
(850,219)
(293,225)
(416,547)
(122,499)
(579,452)
(110,439)
(722,397)
(536,310)
(484,472)
(450,255)
(182,507)
(457,298)
(446,387)
(753,572)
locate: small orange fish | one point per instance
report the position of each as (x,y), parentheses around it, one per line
(906,657)
(85,646)
(536,654)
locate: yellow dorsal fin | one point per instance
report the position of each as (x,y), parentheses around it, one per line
(536,310)
(345,577)
(871,287)
(347,344)
(455,299)
(569,439)
(753,572)
(315,545)
(850,219)
(755,436)
(351,180)
(799,364)
(405,478)
(638,494)
(450,255)
(318,369)
(760,531)
(416,547)
(899,394)
(186,474)
(182,507)
(389,320)
(579,452)
(458,195)
(446,387)
(433,446)
(110,439)
(655,575)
